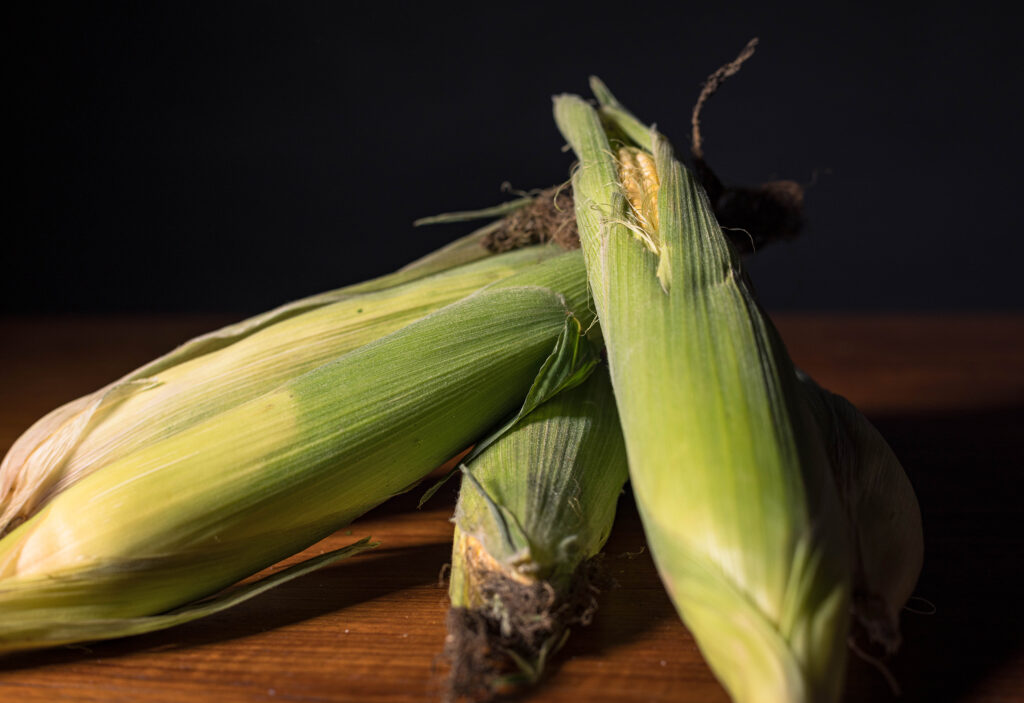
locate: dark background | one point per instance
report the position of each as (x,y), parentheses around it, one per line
(231,156)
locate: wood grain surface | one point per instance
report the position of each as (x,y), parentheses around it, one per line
(947,392)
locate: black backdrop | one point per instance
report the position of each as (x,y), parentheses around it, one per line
(230,156)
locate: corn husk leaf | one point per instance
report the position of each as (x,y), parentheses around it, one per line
(883,518)
(27,627)
(500,210)
(619,121)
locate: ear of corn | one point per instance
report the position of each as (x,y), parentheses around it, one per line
(727,467)
(882,515)
(534,508)
(189,514)
(226,368)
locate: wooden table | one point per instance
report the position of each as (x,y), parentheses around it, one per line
(948,393)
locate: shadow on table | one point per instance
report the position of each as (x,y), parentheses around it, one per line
(335,588)
(966,470)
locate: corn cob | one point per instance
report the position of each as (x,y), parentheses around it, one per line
(728,469)
(226,368)
(534,509)
(187,515)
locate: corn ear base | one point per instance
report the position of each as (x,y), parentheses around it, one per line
(534,509)
(728,469)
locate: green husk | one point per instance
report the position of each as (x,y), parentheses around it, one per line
(727,466)
(223,369)
(32,629)
(883,518)
(183,517)
(534,510)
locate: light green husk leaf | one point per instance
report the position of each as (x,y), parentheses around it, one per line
(727,465)
(619,121)
(226,368)
(27,627)
(499,210)
(882,515)
(187,515)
